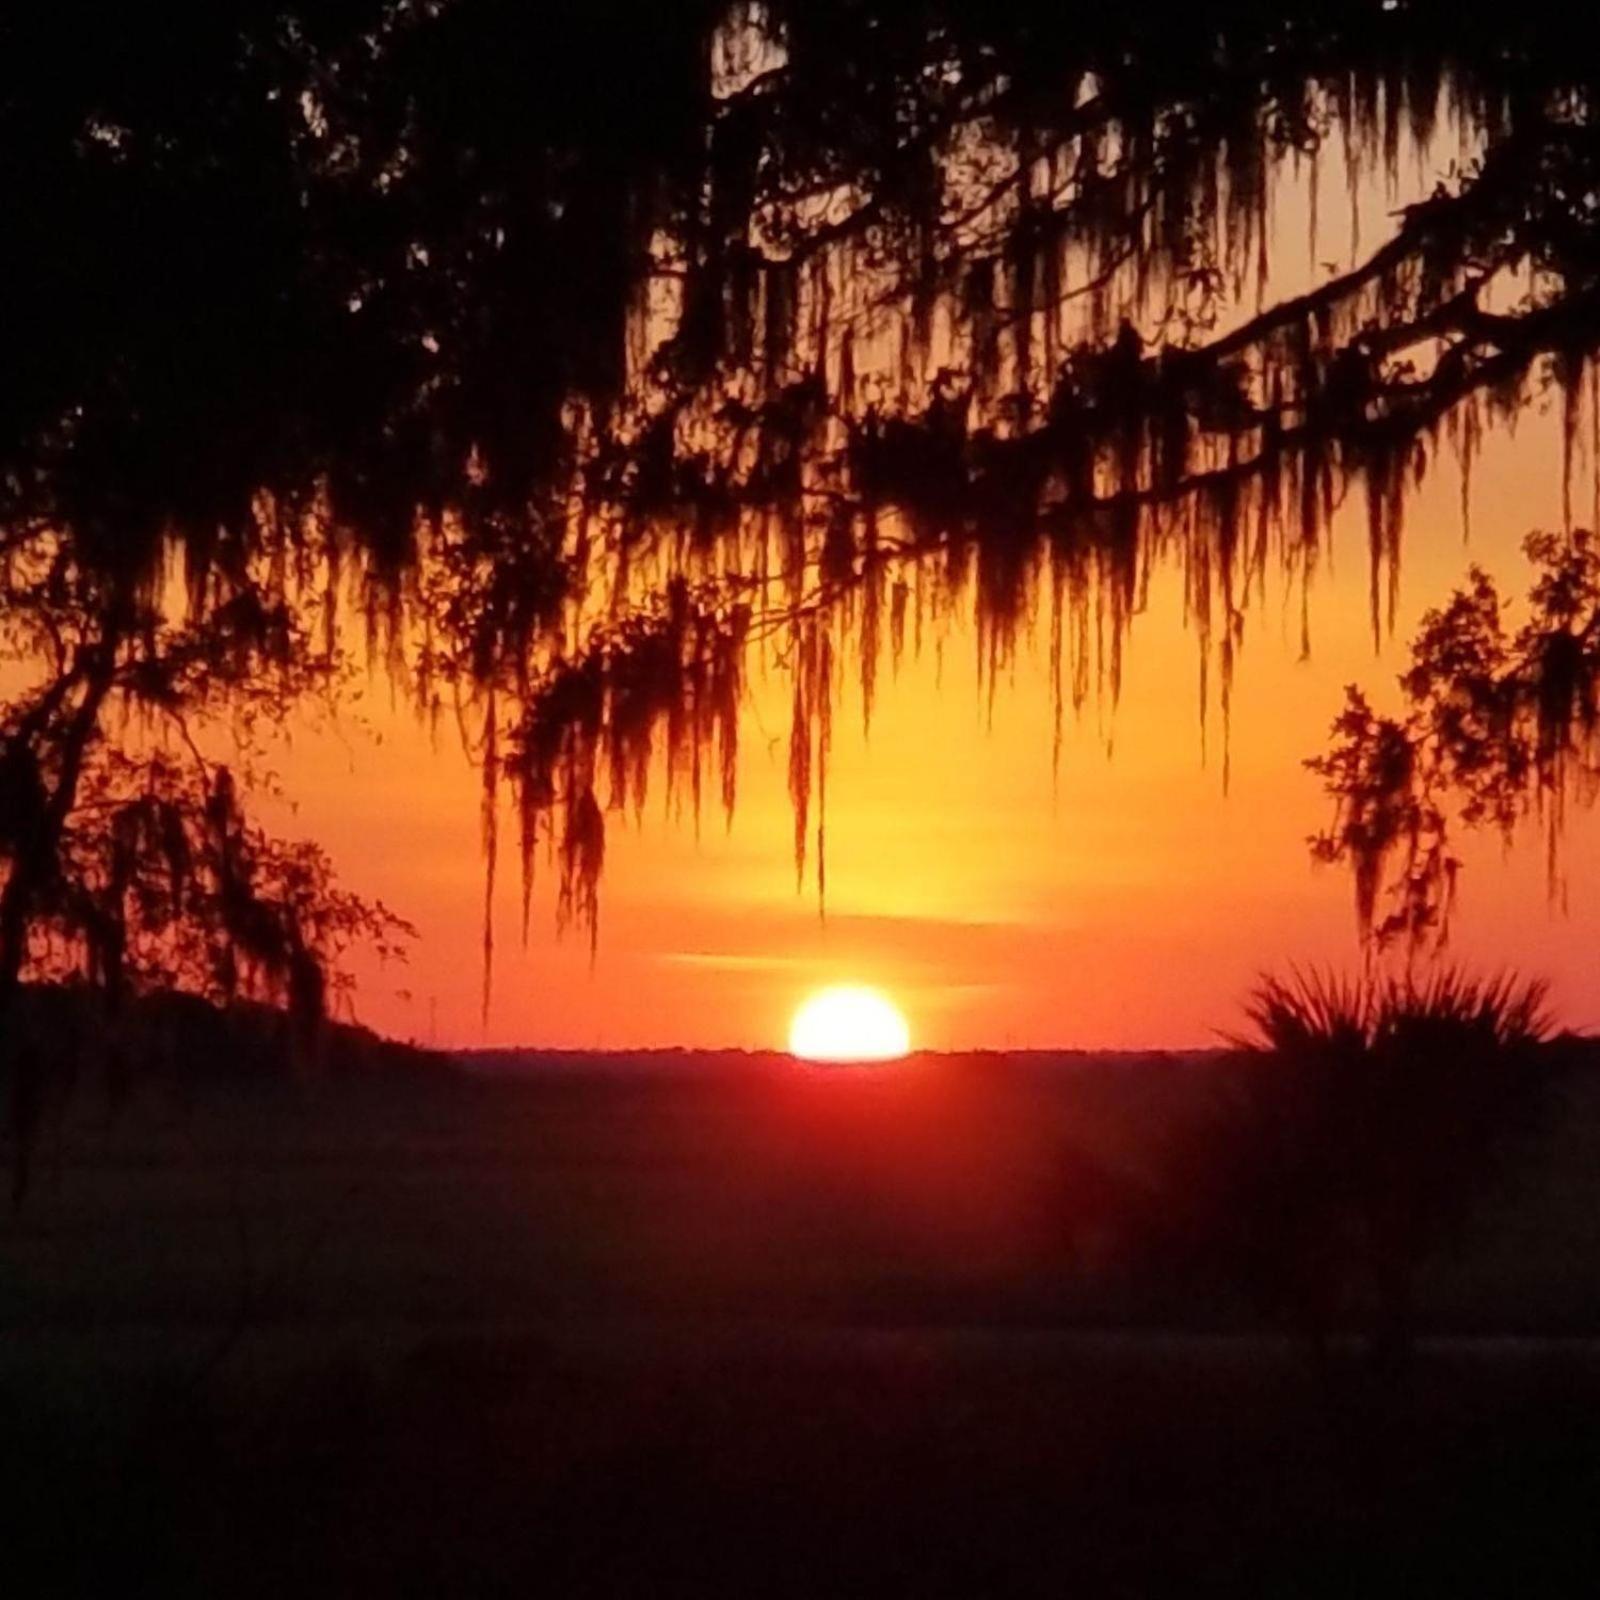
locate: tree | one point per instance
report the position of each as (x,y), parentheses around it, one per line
(1351,1135)
(1498,724)
(820,318)
(129,860)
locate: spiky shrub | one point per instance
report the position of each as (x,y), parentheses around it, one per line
(1355,1126)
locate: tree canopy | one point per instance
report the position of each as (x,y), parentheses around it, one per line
(596,345)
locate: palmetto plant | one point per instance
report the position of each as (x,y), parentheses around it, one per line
(1355,1126)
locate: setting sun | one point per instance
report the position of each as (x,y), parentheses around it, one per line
(849,1022)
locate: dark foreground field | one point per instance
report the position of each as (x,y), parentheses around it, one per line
(734,1327)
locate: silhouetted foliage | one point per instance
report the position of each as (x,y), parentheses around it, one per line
(129,861)
(1498,722)
(593,343)
(65,1038)
(1350,1134)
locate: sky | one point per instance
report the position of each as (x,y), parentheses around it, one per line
(1127,901)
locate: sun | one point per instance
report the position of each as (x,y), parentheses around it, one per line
(849,1022)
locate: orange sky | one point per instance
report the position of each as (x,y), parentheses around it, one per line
(1130,905)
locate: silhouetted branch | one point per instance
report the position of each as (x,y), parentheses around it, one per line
(1496,725)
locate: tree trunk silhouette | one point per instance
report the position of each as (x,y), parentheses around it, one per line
(31,870)
(1393,1343)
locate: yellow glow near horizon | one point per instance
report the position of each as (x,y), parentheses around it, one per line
(849,1022)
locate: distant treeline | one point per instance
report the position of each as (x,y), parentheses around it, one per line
(172,1034)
